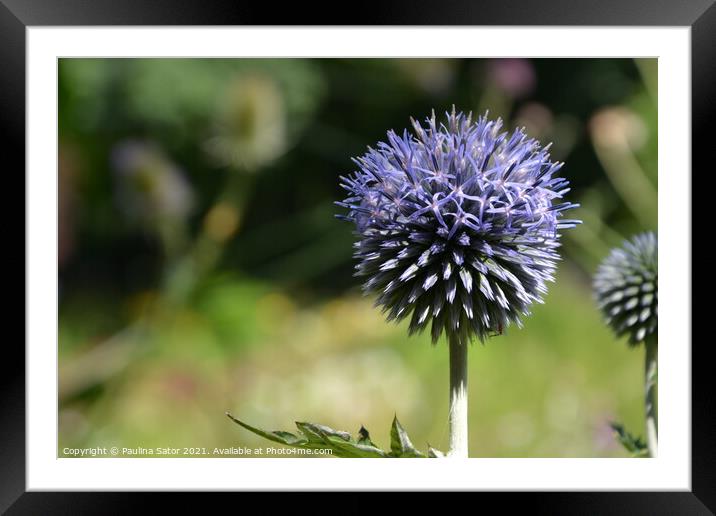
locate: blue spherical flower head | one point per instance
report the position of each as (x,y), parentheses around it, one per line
(626,288)
(457,225)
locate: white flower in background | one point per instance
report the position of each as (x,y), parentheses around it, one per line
(250,128)
(150,188)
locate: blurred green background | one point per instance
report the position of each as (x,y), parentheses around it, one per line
(201,268)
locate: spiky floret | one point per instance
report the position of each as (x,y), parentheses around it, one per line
(457,224)
(626,288)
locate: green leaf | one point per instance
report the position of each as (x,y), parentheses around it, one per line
(364,437)
(321,431)
(314,436)
(632,444)
(435,454)
(400,445)
(277,436)
(355,450)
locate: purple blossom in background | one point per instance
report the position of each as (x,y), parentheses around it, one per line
(515,77)
(457,225)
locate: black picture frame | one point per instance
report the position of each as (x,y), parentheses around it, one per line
(17,15)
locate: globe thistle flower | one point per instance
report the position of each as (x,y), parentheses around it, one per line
(626,288)
(457,225)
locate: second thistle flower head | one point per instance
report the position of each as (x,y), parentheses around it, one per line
(457,224)
(626,288)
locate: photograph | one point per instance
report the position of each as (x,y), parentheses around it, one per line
(262,247)
(357,257)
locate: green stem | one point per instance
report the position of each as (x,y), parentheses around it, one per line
(458,399)
(650,393)
(629,180)
(206,250)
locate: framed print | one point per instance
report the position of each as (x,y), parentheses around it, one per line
(269,257)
